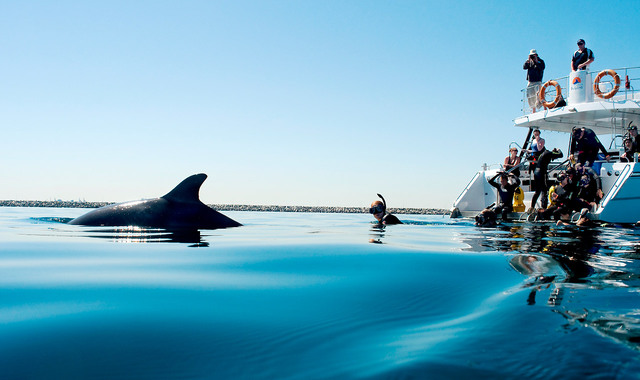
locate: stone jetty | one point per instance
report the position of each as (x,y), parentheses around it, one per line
(317,209)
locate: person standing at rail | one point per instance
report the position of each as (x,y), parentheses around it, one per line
(535,70)
(582,57)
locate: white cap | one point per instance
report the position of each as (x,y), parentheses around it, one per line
(533,51)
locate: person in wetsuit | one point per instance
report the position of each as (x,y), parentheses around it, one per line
(629,150)
(540,164)
(507,186)
(585,144)
(379,211)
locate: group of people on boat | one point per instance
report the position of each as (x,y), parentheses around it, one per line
(535,66)
(578,187)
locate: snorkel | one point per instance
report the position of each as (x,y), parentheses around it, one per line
(384,203)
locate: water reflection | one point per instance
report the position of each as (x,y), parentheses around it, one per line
(377,233)
(132,234)
(590,276)
(58,226)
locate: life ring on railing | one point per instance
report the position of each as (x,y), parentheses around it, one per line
(543,92)
(596,83)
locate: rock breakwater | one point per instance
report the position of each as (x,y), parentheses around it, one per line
(222,207)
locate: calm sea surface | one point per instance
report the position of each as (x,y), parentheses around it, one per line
(316,296)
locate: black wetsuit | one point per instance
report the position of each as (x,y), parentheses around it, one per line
(506,195)
(628,154)
(540,163)
(389,219)
(562,203)
(587,147)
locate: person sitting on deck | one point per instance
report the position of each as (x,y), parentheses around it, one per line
(540,164)
(379,211)
(506,188)
(561,200)
(633,133)
(629,150)
(512,161)
(585,145)
(586,196)
(594,180)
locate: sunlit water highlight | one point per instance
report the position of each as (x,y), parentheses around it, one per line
(316,296)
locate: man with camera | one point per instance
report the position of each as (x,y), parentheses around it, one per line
(535,69)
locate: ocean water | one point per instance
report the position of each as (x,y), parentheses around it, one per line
(316,296)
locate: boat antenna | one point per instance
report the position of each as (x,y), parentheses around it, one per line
(383,201)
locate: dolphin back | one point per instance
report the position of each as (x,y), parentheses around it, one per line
(181,208)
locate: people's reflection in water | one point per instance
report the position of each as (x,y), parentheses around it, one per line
(377,233)
(549,255)
(572,270)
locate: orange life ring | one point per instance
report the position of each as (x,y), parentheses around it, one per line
(596,82)
(543,91)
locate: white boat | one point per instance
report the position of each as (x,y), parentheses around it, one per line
(605,102)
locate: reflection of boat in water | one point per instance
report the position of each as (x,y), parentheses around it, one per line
(607,107)
(589,276)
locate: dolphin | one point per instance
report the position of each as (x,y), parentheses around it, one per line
(181,208)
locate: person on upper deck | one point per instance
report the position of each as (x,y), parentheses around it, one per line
(535,70)
(582,57)
(512,161)
(379,211)
(586,144)
(540,164)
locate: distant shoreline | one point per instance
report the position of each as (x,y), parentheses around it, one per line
(318,209)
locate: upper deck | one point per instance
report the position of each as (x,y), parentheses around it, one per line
(586,109)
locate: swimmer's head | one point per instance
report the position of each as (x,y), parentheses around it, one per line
(377,207)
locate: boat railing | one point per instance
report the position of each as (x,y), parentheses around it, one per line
(629,76)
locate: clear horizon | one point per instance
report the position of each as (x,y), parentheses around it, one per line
(280,102)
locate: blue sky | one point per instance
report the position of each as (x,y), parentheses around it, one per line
(279,102)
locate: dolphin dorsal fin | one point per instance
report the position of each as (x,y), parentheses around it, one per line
(188,190)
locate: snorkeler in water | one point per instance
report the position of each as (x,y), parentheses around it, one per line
(379,211)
